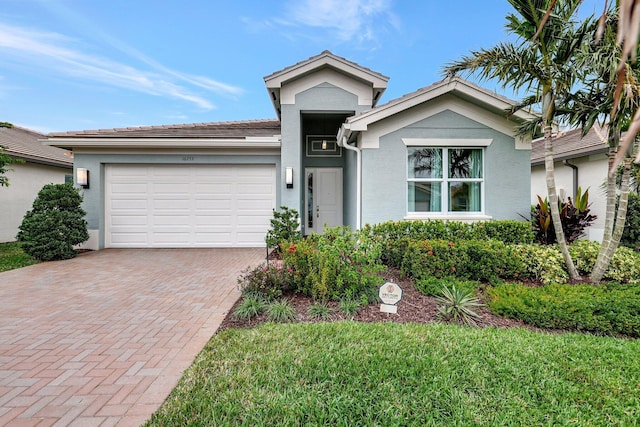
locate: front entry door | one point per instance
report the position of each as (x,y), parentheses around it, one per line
(323,197)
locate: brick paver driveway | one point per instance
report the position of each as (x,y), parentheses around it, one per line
(103,338)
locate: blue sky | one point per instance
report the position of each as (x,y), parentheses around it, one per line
(92,64)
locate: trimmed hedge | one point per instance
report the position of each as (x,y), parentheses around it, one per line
(507,231)
(394,237)
(609,309)
(487,260)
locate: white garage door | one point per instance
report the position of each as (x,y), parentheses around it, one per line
(188,206)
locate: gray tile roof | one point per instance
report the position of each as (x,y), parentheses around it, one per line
(571,144)
(25,144)
(235,129)
(320,55)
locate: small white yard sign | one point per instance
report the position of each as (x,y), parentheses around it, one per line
(390,294)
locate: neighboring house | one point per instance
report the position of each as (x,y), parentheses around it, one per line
(578,162)
(445,151)
(42,165)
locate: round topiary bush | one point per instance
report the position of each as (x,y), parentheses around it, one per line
(55,224)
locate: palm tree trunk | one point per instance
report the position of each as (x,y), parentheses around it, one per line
(607,251)
(553,203)
(601,264)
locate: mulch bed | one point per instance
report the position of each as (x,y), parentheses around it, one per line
(413,308)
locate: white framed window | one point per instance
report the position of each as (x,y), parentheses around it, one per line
(445,180)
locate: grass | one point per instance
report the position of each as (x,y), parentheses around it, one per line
(389,374)
(12,257)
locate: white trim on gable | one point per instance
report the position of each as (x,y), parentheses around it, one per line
(442,142)
(277,80)
(363,92)
(376,130)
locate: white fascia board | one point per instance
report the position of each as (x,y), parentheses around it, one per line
(362,121)
(251,142)
(371,138)
(307,67)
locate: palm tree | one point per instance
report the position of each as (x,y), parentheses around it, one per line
(595,102)
(542,64)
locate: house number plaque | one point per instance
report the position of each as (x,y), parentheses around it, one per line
(188,158)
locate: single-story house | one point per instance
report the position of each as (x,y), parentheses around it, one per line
(444,151)
(42,164)
(578,162)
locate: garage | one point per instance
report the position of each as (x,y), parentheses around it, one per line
(183,206)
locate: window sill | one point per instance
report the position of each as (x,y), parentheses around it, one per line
(448,217)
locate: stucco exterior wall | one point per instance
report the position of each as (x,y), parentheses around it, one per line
(324,97)
(94,197)
(25,180)
(506,170)
(592,173)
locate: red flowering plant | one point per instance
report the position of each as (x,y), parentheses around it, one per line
(269,280)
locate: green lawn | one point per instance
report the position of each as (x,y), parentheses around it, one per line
(387,374)
(11,256)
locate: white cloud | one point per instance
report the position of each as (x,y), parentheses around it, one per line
(346,20)
(53,52)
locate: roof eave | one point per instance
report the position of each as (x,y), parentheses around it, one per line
(249,142)
(570,156)
(41,160)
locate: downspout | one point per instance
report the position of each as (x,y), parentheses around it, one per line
(575,176)
(358,179)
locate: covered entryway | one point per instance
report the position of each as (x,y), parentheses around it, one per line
(181,206)
(323,191)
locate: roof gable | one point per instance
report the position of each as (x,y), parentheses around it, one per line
(326,59)
(456,86)
(454,94)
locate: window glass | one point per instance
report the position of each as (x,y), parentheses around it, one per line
(464,197)
(452,185)
(425,163)
(425,196)
(465,163)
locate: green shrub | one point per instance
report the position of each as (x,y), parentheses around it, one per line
(252,305)
(336,264)
(285,227)
(319,311)
(302,258)
(349,306)
(611,309)
(268,280)
(394,237)
(631,233)
(432,286)
(456,305)
(55,224)
(507,231)
(281,311)
(488,260)
(584,254)
(542,263)
(624,266)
